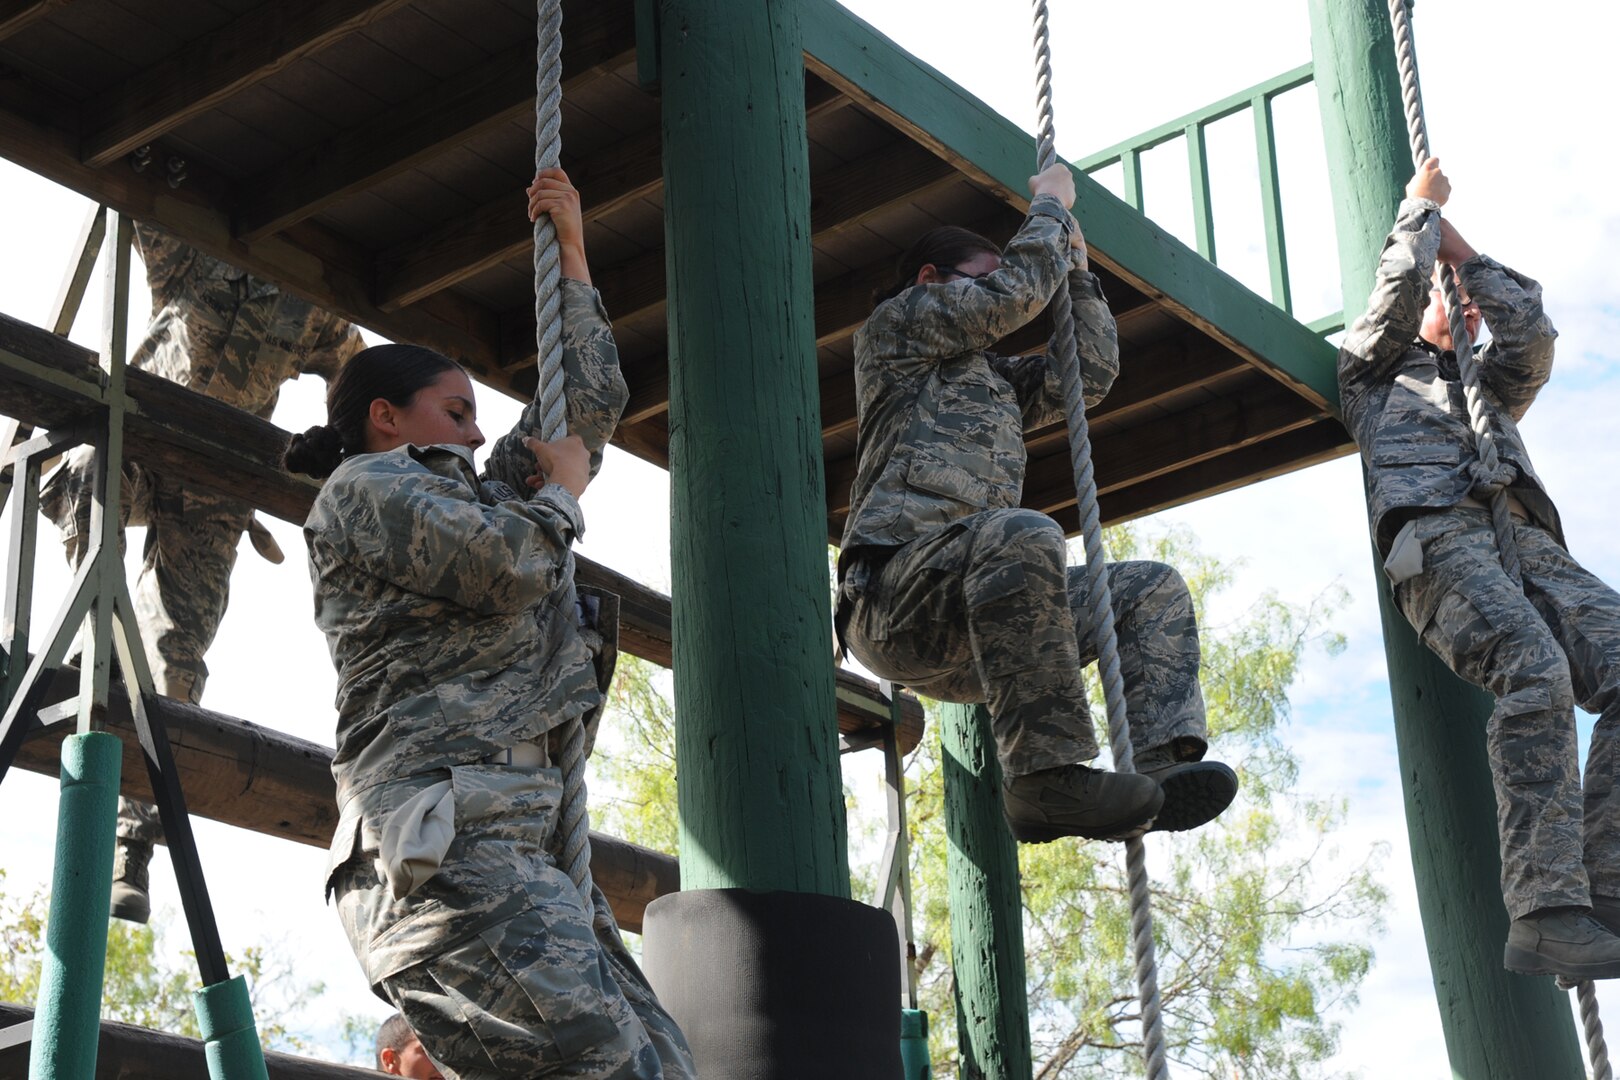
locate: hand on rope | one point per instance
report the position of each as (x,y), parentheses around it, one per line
(566,461)
(553,195)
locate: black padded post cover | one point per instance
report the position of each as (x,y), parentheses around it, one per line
(778,985)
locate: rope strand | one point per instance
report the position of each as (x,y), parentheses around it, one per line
(573,818)
(1063,350)
(1491,475)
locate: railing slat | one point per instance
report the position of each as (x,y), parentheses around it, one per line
(1265,147)
(1132,161)
(1203,211)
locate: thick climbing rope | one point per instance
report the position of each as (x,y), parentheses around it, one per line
(1491,475)
(574,824)
(1102,604)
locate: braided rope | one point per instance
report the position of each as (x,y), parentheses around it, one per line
(573,818)
(1491,475)
(1063,350)
(1592,1026)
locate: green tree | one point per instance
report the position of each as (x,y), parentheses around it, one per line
(1259,938)
(145,984)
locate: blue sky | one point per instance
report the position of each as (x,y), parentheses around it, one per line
(1517,108)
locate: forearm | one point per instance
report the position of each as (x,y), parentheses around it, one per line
(1400,292)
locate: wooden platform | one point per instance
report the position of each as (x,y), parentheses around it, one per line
(50,382)
(127,1052)
(369,154)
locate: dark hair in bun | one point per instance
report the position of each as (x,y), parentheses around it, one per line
(395,373)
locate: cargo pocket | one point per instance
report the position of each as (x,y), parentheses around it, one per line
(344,847)
(1525,754)
(530,990)
(415,837)
(996,595)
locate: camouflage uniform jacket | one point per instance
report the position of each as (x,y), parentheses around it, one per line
(941,418)
(447,601)
(227,334)
(1403,399)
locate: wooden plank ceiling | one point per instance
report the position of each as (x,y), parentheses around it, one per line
(370,155)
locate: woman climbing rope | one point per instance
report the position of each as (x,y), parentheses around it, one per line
(1541,644)
(947,586)
(446,600)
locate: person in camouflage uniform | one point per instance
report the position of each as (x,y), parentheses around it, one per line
(947,586)
(1540,649)
(448,604)
(221,332)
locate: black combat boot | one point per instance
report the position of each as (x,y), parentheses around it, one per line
(1562,941)
(1073,800)
(130,899)
(1195,792)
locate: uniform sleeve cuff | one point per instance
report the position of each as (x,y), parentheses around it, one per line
(1049,206)
(562,500)
(581,301)
(1083,284)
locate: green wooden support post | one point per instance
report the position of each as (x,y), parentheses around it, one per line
(1265,148)
(761,795)
(67,1017)
(1498,1026)
(987,910)
(1203,208)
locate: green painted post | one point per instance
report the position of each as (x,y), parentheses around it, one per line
(761,796)
(914,1045)
(987,931)
(67,1017)
(1131,162)
(230,1038)
(1497,1025)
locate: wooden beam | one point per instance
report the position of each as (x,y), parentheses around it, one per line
(309,261)
(1136,454)
(51,382)
(269,782)
(627,170)
(128,1052)
(597,38)
(202,73)
(1323,440)
(920,101)
(17,15)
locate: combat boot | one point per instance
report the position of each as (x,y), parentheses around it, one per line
(1195,792)
(1562,941)
(1606,910)
(1073,800)
(131,880)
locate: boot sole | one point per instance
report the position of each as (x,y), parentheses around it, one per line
(1523,961)
(1195,797)
(1127,829)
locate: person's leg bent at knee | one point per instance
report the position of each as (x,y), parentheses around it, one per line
(1159,663)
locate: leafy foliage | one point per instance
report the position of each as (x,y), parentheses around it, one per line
(143,985)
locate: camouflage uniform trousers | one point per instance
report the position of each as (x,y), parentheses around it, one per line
(183,586)
(1541,650)
(984,610)
(501,980)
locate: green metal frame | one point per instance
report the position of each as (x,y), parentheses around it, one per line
(64,1032)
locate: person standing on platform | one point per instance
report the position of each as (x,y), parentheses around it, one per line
(222,332)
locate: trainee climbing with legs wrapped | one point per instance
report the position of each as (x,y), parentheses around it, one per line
(948,586)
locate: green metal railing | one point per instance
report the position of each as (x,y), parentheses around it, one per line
(1191,128)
